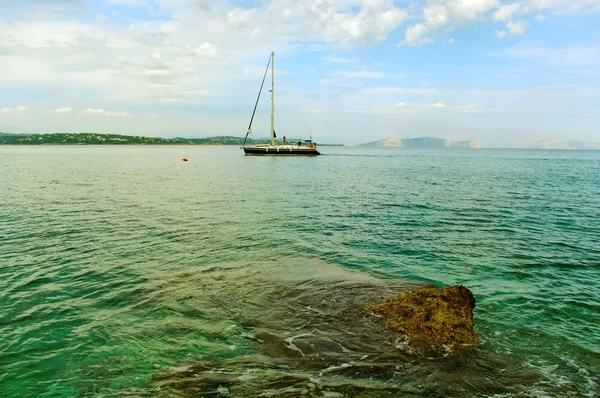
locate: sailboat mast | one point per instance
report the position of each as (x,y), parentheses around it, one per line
(273,98)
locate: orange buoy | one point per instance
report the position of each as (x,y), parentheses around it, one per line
(184,159)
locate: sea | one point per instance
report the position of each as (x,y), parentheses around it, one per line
(127,272)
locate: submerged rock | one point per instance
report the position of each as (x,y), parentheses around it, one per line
(431,318)
(305,333)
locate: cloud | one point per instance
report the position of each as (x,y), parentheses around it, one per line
(435,16)
(66,109)
(52,11)
(148,61)
(575,55)
(468,10)
(18,110)
(102,112)
(391,90)
(129,3)
(451,40)
(337,60)
(240,16)
(415,36)
(102,18)
(363,74)
(371,24)
(185,51)
(469,108)
(440,13)
(562,6)
(512,29)
(505,12)
(206,50)
(414,107)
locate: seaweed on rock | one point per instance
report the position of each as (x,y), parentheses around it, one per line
(431,318)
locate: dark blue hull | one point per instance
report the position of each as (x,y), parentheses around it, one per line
(282,151)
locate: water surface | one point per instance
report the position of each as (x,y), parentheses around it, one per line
(125,271)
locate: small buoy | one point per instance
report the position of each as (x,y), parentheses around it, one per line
(184,159)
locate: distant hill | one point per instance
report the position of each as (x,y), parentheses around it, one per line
(556,144)
(422,142)
(116,139)
(119,139)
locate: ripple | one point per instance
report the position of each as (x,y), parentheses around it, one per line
(128,271)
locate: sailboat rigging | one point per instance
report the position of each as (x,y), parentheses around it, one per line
(286,146)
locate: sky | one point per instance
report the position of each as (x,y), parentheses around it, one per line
(506,73)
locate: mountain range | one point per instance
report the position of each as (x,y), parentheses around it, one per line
(422,142)
(557,144)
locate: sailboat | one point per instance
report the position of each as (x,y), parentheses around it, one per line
(284,146)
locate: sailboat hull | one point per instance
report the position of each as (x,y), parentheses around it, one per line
(283,150)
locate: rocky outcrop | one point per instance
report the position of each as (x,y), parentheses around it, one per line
(432,318)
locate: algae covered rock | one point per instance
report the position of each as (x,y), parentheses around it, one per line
(431,317)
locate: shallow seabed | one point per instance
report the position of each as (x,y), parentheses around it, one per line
(127,272)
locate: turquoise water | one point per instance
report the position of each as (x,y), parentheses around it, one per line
(127,272)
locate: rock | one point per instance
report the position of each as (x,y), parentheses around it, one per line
(430,317)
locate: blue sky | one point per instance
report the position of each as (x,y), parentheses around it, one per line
(507,73)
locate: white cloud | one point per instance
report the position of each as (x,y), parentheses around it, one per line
(451,40)
(102,18)
(371,24)
(171,100)
(469,108)
(584,5)
(391,90)
(206,49)
(338,60)
(363,74)
(420,107)
(129,3)
(415,36)
(17,110)
(102,112)
(516,28)
(562,6)
(566,56)
(512,29)
(435,16)
(468,10)
(540,17)
(240,16)
(505,12)
(66,109)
